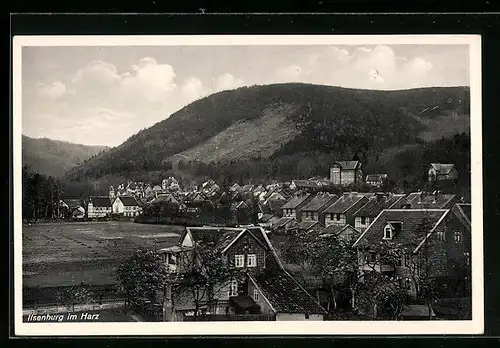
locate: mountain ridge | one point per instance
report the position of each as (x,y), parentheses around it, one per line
(285,119)
(55,157)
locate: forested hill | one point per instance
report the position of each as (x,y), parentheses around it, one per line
(54,157)
(283,120)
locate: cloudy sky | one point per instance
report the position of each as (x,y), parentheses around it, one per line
(103,95)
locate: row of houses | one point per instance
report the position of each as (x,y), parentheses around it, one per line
(346,173)
(352,208)
(268,291)
(100,207)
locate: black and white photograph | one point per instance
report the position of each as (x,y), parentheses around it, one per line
(247,185)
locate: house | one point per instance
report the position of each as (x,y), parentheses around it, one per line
(376,180)
(304,185)
(341,212)
(157,190)
(284,225)
(435,200)
(305,226)
(413,244)
(367,213)
(313,211)
(346,233)
(127,206)
(346,173)
(293,206)
(170,184)
(210,188)
(71,208)
(442,171)
(264,292)
(166,198)
(235,188)
(99,207)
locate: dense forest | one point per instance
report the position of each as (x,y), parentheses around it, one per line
(325,121)
(41,195)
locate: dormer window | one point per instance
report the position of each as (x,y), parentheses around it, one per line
(388,231)
(391,229)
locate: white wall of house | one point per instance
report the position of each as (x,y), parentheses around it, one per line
(298,317)
(95,212)
(310,216)
(359,225)
(336,219)
(290,213)
(118,207)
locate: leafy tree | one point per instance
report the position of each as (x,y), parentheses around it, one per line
(143,277)
(77,294)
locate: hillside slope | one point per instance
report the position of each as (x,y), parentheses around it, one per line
(283,120)
(54,157)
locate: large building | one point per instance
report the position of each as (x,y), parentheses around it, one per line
(346,173)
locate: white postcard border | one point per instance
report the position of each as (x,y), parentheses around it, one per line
(474,326)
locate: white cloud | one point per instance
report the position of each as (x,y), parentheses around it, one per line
(51,91)
(226,82)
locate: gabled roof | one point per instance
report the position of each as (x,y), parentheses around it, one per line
(128,201)
(421,200)
(376,205)
(306,225)
(283,221)
(219,238)
(376,177)
(275,205)
(463,213)
(285,294)
(344,203)
(73,203)
(305,183)
(334,229)
(295,202)
(466,208)
(348,165)
(442,168)
(247,187)
(320,201)
(412,220)
(101,201)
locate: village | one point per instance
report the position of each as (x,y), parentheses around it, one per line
(412,248)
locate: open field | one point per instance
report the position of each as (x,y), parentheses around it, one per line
(64,254)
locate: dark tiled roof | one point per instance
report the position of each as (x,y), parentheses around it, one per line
(101,201)
(375,206)
(221,238)
(412,220)
(466,208)
(344,203)
(376,177)
(129,201)
(431,201)
(283,221)
(266,217)
(347,165)
(305,184)
(295,202)
(276,205)
(73,203)
(286,295)
(306,225)
(333,229)
(442,168)
(320,201)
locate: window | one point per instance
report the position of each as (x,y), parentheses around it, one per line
(251,260)
(407,260)
(407,284)
(467,259)
(255,295)
(233,288)
(338,217)
(387,232)
(441,236)
(372,257)
(363,220)
(306,315)
(239,260)
(331,216)
(457,236)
